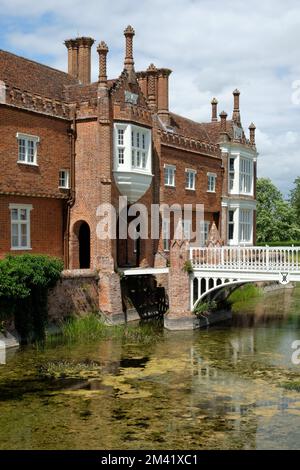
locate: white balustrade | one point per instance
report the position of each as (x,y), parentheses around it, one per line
(254,258)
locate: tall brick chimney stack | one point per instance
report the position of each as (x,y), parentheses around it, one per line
(214,110)
(163,95)
(223,117)
(252,133)
(79,58)
(236,117)
(102,50)
(72,46)
(129,62)
(84,59)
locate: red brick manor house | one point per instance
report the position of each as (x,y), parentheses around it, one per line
(68,145)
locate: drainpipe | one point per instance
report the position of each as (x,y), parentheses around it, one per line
(71,199)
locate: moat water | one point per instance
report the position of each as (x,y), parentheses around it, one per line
(220,388)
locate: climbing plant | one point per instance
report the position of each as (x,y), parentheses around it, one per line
(24,283)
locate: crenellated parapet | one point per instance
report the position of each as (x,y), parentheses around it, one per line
(128,112)
(186,143)
(34,102)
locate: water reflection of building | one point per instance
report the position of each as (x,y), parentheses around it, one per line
(2,355)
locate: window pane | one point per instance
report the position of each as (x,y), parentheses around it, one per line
(120,136)
(22,150)
(14,235)
(121,156)
(166,173)
(30,151)
(23,214)
(14,214)
(23,235)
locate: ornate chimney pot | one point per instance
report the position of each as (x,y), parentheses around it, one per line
(102,50)
(252,133)
(223,117)
(214,109)
(129,62)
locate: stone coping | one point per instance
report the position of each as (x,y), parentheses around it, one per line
(79,273)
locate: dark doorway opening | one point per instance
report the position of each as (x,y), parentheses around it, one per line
(84,238)
(128,250)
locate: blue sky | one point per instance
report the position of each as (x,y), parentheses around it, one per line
(212,46)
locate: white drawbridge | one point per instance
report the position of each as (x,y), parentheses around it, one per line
(218,267)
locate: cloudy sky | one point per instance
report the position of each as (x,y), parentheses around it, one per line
(212,46)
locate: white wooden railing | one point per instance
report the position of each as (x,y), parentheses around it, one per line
(254,258)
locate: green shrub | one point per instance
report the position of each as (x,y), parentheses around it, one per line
(188,267)
(24,283)
(203,307)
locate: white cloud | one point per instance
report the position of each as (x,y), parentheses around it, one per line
(212,46)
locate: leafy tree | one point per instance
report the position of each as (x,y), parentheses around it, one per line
(24,283)
(276,218)
(295,198)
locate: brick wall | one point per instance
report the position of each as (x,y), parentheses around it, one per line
(53,152)
(76,293)
(46,223)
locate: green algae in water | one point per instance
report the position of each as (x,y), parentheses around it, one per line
(219,388)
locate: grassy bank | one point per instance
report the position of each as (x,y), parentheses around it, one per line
(92,328)
(244,293)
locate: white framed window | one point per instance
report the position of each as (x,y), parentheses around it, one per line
(230,224)
(231,173)
(204,231)
(169,175)
(211,182)
(245,225)
(20,226)
(139,149)
(190,179)
(132,148)
(64,179)
(166,234)
(245,175)
(27,148)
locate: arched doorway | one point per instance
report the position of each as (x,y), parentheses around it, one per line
(84,239)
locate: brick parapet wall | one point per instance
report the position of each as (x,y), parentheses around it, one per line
(76,293)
